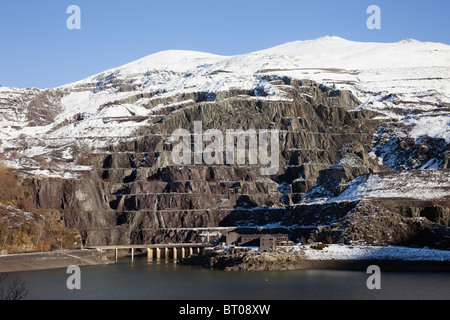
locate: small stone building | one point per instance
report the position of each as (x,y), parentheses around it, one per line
(264,241)
(272,241)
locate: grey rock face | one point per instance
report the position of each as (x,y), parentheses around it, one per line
(134,194)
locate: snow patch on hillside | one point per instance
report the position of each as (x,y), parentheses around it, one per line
(435,126)
(342,252)
(417,185)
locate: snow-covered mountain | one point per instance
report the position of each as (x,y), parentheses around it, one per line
(358,121)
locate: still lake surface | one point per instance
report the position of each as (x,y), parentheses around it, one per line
(164,280)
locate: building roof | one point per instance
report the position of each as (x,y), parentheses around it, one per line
(274,235)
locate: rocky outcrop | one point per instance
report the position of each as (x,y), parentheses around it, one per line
(235,259)
(372,224)
(333,180)
(400,151)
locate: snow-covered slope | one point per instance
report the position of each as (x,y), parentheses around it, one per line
(408,81)
(335,52)
(414,185)
(418,70)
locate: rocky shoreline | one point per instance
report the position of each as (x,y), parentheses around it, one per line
(245,259)
(51,260)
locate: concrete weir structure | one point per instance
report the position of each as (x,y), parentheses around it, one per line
(174,250)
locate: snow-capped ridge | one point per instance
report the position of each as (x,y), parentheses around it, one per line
(409,40)
(323,52)
(167,60)
(175,60)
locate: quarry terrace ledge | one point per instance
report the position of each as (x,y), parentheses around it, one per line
(173,250)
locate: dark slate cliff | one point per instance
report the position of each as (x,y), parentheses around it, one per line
(135,194)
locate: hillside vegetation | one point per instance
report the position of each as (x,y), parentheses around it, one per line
(23,228)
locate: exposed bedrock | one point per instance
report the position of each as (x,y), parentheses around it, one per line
(135,194)
(374,223)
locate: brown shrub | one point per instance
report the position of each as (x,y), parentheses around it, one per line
(84,160)
(9,187)
(330,239)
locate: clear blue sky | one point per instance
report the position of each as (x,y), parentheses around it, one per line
(38,50)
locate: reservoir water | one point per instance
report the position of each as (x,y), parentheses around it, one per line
(164,280)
